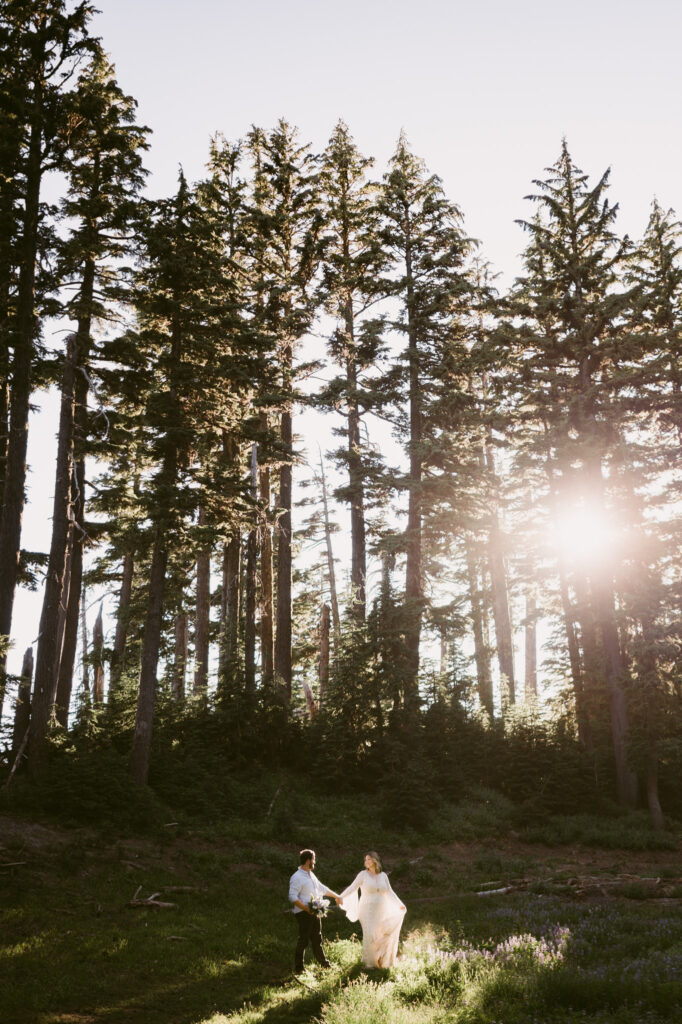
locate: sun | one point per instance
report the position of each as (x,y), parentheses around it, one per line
(584,534)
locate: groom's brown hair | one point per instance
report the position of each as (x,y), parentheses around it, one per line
(305,855)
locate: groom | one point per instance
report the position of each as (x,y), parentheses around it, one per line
(304,887)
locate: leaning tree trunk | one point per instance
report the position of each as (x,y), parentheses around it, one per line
(283,665)
(481,652)
(49,638)
(13,496)
(203,612)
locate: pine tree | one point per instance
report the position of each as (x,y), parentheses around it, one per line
(354,260)
(103,163)
(43,43)
(286,217)
(422,232)
(184,312)
(574,309)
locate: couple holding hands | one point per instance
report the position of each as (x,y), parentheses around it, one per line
(377,908)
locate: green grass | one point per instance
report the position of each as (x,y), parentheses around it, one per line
(73,952)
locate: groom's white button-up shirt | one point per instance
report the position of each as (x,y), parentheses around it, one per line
(304,886)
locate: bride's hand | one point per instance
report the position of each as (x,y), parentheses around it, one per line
(339,900)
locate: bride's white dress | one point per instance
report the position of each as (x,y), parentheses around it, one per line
(380,913)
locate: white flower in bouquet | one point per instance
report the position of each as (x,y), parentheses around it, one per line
(319,907)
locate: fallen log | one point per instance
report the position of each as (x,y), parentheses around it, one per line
(152,901)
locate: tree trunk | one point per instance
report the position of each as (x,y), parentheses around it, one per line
(569,615)
(67,660)
(498,581)
(614,670)
(232,571)
(358,569)
(655,809)
(98,660)
(283,630)
(70,640)
(49,639)
(481,652)
(180,658)
(250,583)
(266,583)
(84,645)
(122,617)
(330,554)
(22,711)
(531,647)
(63,605)
(146,699)
(323,670)
(413,533)
(203,614)
(13,496)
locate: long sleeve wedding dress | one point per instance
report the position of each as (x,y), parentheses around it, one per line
(380,913)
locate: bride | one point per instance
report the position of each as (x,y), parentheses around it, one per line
(379,911)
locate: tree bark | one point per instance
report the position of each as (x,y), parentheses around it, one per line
(498,581)
(146,699)
(266,583)
(283,666)
(49,638)
(413,533)
(22,711)
(122,621)
(98,660)
(13,496)
(250,585)
(358,569)
(180,656)
(481,652)
(84,645)
(323,670)
(203,614)
(531,647)
(330,554)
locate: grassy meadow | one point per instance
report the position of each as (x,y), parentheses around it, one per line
(573,921)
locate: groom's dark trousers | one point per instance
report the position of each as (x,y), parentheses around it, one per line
(309,931)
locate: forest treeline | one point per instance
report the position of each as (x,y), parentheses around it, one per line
(535,504)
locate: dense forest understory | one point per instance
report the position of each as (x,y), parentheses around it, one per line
(505,607)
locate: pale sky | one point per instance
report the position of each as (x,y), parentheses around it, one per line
(485,92)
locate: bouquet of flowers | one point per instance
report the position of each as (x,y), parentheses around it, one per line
(319,907)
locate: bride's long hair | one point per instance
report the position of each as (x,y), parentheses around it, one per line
(377,862)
